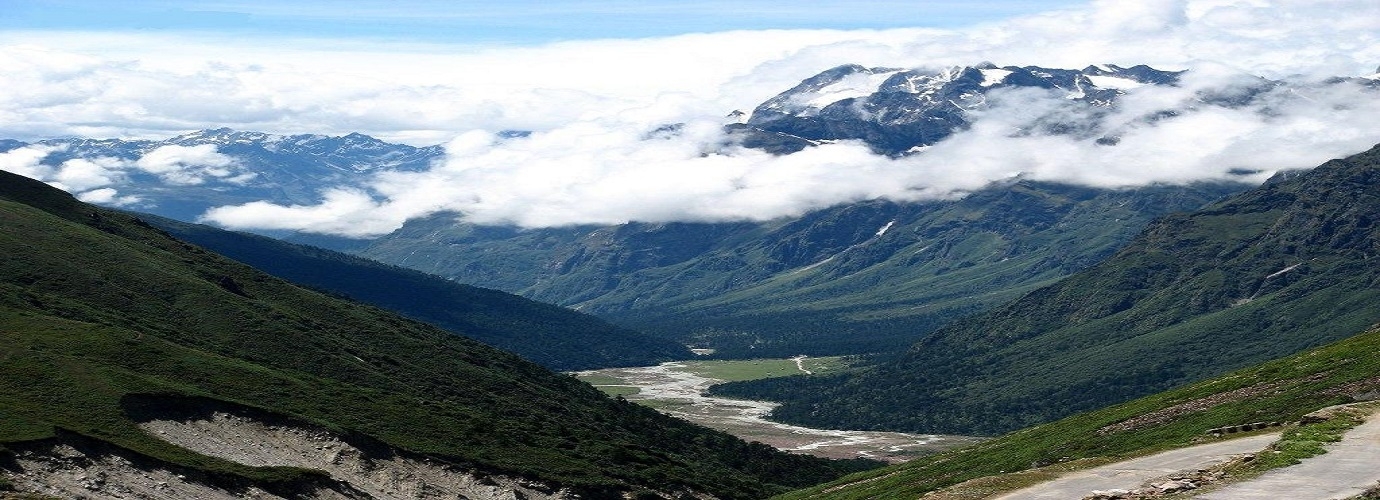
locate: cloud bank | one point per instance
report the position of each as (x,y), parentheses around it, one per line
(590,174)
(592,104)
(94,180)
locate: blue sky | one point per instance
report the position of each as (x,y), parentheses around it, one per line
(514,22)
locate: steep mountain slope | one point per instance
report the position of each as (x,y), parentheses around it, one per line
(856,278)
(1266,273)
(552,336)
(107,322)
(1280,391)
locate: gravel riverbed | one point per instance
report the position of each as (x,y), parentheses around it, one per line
(673,389)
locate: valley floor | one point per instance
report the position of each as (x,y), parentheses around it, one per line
(677,388)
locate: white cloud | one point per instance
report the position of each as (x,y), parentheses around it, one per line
(74,175)
(26,160)
(149,86)
(80,174)
(591,102)
(190,165)
(94,179)
(108,196)
(610,172)
(342,211)
(1203,144)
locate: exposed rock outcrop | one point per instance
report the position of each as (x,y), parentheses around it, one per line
(72,466)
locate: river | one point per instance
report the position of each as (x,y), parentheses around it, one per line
(674,389)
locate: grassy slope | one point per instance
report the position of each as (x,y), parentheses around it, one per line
(1280,390)
(552,336)
(1267,273)
(96,308)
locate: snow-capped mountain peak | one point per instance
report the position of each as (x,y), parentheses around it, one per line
(854,85)
(899,110)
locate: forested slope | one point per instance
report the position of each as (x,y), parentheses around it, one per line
(1270,272)
(552,336)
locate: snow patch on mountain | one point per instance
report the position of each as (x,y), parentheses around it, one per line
(852,86)
(994,76)
(1282,271)
(884,229)
(1114,82)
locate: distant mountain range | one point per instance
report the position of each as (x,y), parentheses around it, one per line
(286,169)
(900,111)
(1266,273)
(861,277)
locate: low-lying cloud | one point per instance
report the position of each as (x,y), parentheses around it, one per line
(96,179)
(191,165)
(597,173)
(592,104)
(86,178)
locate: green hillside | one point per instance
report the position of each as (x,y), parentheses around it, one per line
(552,336)
(101,314)
(1282,390)
(864,277)
(1266,273)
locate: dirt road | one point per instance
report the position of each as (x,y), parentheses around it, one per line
(1346,470)
(1131,474)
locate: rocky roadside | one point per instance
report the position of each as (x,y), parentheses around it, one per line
(1174,484)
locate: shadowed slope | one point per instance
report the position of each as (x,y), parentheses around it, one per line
(552,336)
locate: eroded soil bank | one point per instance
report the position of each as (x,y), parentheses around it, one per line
(77,467)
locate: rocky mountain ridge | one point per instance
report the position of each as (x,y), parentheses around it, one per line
(901,111)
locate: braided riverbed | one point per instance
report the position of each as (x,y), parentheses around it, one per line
(677,388)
